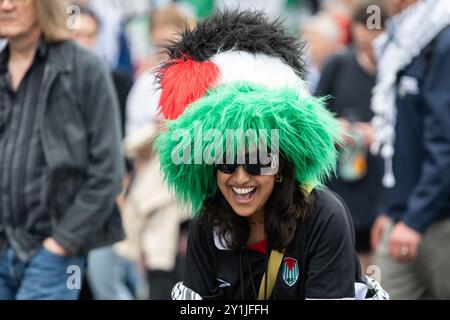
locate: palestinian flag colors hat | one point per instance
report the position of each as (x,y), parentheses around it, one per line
(239,73)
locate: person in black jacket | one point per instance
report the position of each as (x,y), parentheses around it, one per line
(412,119)
(253,208)
(60,160)
(348,79)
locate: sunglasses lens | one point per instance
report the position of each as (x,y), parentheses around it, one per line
(253,169)
(227,168)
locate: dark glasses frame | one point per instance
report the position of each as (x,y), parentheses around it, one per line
(256,169)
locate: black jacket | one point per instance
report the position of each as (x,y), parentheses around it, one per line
(421,163)
(80,134)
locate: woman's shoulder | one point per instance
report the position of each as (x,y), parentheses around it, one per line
(207,239)
(197,228)
(329,208)
(329,202)
(328,230)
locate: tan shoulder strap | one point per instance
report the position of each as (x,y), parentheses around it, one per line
(275,260)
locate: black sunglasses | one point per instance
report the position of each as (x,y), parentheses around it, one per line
(257,169)
(252,169)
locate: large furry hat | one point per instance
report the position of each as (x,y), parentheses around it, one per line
(239,71)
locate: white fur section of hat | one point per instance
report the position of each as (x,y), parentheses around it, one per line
(261,69)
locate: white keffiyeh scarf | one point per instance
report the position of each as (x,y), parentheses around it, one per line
(407,34)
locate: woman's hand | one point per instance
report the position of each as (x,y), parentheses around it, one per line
(52,246)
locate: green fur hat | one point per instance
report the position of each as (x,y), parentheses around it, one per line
(256,88)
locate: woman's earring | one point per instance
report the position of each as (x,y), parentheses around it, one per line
(279,178)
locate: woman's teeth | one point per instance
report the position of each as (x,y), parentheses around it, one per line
(244,196)
(243,191)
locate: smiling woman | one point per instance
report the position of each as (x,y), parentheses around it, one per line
(258,234)
(249,206)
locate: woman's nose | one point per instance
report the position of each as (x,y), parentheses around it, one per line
(241,176)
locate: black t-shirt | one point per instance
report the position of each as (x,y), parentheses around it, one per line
(327,253)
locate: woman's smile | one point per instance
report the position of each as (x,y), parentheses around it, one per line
(244,195)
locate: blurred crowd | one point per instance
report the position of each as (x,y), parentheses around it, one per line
(342,64)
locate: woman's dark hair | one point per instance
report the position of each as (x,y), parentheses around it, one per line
(287,207)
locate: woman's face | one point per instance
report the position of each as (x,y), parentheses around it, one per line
(246,194)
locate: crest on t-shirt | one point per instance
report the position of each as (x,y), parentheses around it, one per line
(290,271)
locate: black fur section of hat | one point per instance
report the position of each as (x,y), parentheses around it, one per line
(250,31)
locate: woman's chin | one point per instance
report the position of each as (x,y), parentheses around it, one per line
(244,211)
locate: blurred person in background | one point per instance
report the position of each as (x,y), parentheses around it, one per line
(87,35)
(411,103)
(60,160)
(112,43)
(152,218)
(342,11)
(165,26)
(110,276)
(349,78)
(323,38)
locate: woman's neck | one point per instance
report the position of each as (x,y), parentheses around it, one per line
(256,218)
(257,227)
